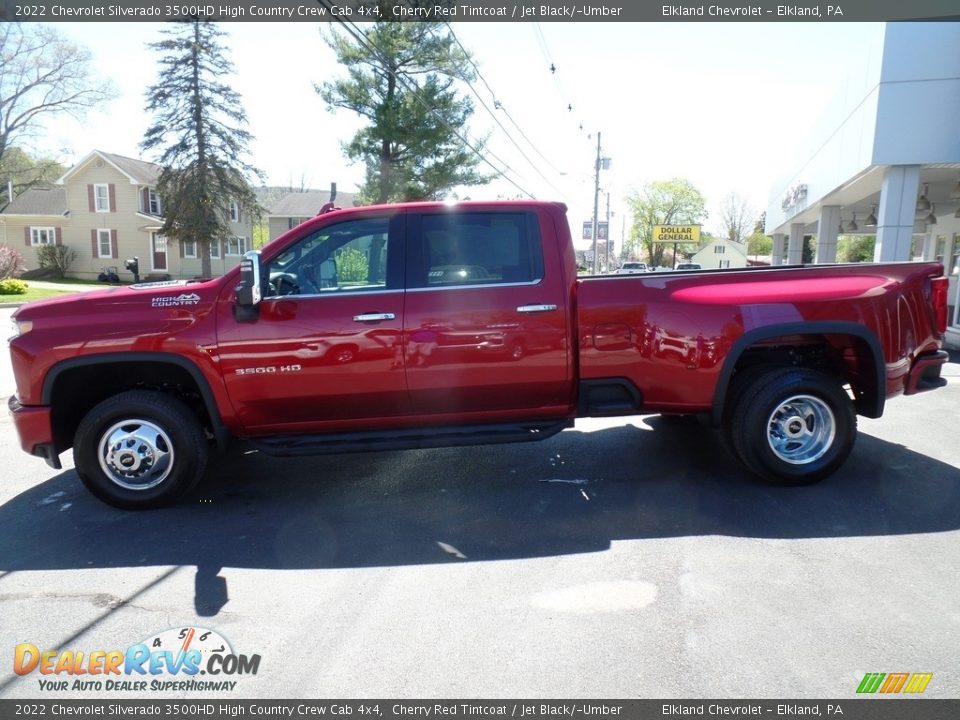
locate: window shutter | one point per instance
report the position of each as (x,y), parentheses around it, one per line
(26,236)
(93,242)
(59,236)
(114,250)
(145,201)
(180,245)
(90,201)
(113,197)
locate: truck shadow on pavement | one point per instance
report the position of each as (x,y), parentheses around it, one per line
(575,493)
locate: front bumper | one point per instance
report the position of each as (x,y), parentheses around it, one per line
(925,373)
(35,429)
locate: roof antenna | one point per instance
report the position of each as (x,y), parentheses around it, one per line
(330,206)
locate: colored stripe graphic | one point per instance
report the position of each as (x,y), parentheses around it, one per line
(894,682)
(918,682)
(870,682)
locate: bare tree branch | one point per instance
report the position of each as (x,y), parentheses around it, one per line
(41,74)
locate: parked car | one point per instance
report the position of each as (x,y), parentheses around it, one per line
(661,268)
(632,268)
(689,266)
(436,325)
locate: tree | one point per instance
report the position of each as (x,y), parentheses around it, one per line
(855,248)
(401,78)
(759,244)
(737,216)
(41,75)
(198,133)
(663,202)
(24,171)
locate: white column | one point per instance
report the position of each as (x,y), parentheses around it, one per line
(795,245)
(778,249)
(929,247)
(947,252)
(898,207)
(827,232)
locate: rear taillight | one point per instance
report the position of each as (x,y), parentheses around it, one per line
(938,296)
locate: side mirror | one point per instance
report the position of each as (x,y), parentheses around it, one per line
(249,290)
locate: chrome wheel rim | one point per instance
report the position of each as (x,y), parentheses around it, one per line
(136,454)
(801,429)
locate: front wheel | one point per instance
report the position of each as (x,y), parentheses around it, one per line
(793,426)
(140,449)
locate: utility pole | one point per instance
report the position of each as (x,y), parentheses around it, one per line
(596,206)
(608,241)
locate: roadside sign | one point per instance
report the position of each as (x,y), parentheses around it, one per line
(602,230)
(676,233)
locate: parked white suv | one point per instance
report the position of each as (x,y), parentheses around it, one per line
(632,268)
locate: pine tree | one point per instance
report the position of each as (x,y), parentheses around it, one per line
(401,77)
(198,133)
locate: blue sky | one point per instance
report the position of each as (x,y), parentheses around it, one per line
(721,104)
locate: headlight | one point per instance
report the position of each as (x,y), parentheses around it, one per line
(21,327)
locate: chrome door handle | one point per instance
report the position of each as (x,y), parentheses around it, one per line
(536,308)
(374,317)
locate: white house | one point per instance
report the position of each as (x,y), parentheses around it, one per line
(721,253)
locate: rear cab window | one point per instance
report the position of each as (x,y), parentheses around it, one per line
(458,249)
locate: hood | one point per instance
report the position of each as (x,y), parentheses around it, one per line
(144,300)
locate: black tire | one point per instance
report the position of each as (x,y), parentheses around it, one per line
(140,449)
(792,426)
(742,382)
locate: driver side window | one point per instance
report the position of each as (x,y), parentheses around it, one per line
(347,257)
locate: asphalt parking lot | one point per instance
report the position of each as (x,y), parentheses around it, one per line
(618,559)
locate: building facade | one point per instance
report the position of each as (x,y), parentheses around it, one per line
(721,253)
(107,210)
(298,207)
(884,160)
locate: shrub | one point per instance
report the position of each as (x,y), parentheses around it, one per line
(11,262)
(352,266)
(12,286)
(57,258)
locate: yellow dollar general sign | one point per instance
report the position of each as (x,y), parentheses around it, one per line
(890,683)
(676,233)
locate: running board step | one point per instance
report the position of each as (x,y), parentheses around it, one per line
(408,438)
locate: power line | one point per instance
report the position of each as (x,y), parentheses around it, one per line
(564,98)
(499,106)
(492,114)
(412,88)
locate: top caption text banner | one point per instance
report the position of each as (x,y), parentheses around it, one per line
(479,11)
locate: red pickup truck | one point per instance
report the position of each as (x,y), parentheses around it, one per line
(426,325)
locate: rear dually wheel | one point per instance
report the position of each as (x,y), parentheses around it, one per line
(792,426)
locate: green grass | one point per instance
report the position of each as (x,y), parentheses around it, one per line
(73,281)
(33,294)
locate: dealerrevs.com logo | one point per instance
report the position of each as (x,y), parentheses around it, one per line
(180,659)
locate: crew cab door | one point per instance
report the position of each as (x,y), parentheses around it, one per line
(325,351)
(485,329)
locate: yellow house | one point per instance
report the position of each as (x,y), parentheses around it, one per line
(107,210)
